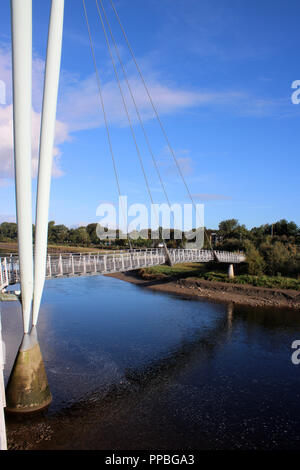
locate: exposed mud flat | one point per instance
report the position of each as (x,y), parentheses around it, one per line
(242,294)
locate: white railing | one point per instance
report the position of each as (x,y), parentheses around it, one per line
(78,264)
(205,256)
(5,276)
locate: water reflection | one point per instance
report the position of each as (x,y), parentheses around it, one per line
(131,369)
(230,310)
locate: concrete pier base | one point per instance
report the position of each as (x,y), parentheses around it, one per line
(27,389)
(230,271)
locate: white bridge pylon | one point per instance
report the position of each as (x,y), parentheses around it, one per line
(21,12)
(46,150)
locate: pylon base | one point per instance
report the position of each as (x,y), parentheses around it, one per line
(27,389)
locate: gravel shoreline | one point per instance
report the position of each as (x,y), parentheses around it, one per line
(219,291)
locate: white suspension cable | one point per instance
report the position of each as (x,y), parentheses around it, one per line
(156,113)
(104,114)
(128,116)
(135,104)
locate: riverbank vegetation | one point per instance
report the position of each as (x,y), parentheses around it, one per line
(272,250)
(216,273)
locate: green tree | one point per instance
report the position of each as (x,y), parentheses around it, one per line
(79,236)
(91,230)
(231,244)
(283,227)
(50,228)
(9,230)
(258,234)
(227,227)
(277,257)
(255,262)
(59,234)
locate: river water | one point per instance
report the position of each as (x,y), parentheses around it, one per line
(131,368)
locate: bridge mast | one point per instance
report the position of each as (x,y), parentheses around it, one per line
(46,149)
(27,389)
(22,82)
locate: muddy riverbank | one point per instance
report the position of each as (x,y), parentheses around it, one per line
(240,294)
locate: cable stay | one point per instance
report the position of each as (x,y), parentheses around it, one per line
(131,128)
(135,106)
(105,118)
(137,112)
(104,18)
(172,152)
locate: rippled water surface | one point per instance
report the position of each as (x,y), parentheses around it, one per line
(130,368)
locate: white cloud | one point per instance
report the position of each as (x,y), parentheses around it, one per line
(5,69)
(79,108)
(6,121)
(6,148)
(80,103)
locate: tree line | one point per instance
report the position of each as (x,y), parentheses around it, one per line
(272,249)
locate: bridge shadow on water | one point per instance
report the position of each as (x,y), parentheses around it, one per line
(89,415)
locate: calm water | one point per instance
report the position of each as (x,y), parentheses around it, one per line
(130,368)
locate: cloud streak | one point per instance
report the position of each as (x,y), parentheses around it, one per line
(80,103)
(6,122)
(6,149)
(79,108)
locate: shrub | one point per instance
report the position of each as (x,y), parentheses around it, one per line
(255,262)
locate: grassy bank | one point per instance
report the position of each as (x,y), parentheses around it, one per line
(217,274)
(12,247)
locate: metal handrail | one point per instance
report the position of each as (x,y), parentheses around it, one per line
(78,264)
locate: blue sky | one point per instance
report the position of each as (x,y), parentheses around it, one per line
(220,73)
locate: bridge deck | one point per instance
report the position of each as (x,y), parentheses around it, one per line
(66,265)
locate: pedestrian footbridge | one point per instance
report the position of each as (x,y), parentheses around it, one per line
(79,264)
